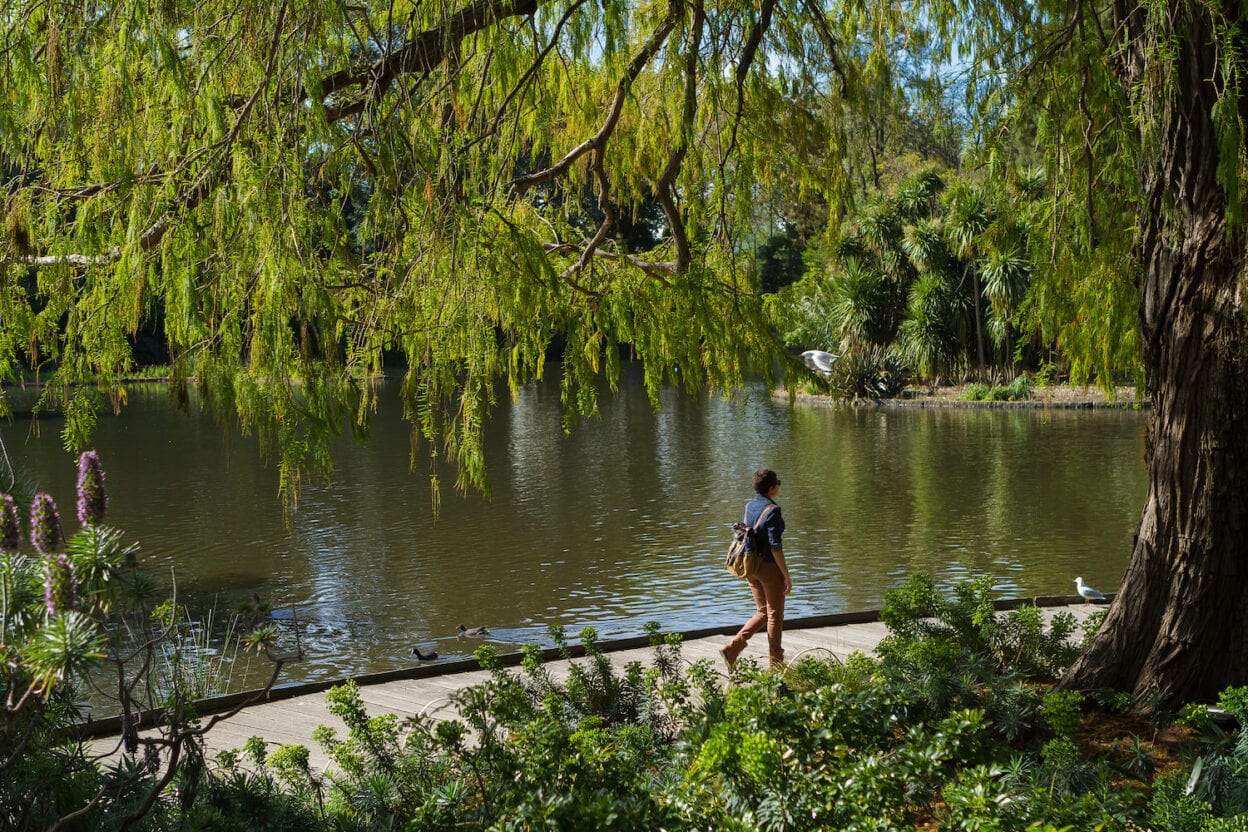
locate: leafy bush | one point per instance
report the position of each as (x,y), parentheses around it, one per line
(868,373)
(952,724)
(1020,389)
(1017,390)
(1062,711)
(977,392)
(929,632)
(71,607)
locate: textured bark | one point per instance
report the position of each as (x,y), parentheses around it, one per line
(1178,630)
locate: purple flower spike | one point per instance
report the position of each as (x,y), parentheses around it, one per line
(92,499)
(45,525)
(10,526)
(58,584)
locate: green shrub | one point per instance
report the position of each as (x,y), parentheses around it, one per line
(985,799)
(940,728)
(932,632)
(1235,702)
(1173,809)
(977,392)
(1063,711)
(1019,389)
(868,373)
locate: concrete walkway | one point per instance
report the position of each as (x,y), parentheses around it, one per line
(291,716)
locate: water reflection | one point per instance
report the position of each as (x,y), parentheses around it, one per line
(621,521)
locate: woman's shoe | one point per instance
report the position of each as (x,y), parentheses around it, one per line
(776,665)
(730,651)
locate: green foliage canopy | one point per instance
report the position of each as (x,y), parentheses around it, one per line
(297,190)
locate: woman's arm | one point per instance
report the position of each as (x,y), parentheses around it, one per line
(778,554)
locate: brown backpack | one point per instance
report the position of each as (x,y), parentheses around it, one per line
(744,558)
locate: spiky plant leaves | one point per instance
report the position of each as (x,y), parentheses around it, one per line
(969,216)
(925,245)
(260,638)
(868,373)
(930,336)
(68,646)
(21,580)
(102,559)
(1007,276)
(860,296)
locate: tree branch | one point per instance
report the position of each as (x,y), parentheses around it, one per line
(743,66)
(824,30)
(657,270)
(663,187)
(529,73)
(599,140)
(204,184)
(421,54)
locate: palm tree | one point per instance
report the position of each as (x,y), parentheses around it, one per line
(968,218)
(860,297)
(916,197)
(929,336)
(1007,276)
(924,244)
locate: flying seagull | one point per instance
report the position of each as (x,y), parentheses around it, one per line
(819,360)
(475,632)
(1086,592)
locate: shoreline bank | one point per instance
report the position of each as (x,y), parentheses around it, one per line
(1062,397)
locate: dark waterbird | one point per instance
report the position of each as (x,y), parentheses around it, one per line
(424,657)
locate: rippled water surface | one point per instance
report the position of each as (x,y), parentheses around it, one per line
(620,522)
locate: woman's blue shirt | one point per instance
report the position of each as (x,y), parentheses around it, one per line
(773,526)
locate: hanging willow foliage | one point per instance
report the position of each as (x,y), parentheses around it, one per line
(296,189)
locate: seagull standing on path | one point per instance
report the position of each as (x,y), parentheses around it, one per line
(1086,592)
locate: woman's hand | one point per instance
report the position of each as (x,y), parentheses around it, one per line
(778,554)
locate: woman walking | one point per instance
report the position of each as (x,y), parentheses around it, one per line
(771,583)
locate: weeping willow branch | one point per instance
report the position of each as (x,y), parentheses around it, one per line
(824,31)
(598,142)
(421,54)
(205,184)
(743,67)
(663,187)
(597,145)
(658,271)
(529,74)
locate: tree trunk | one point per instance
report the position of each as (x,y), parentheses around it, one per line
(1178,630)
(976,297)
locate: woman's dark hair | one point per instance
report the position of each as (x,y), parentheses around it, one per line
(765,479)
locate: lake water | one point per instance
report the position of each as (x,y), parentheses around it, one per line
(620,522)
